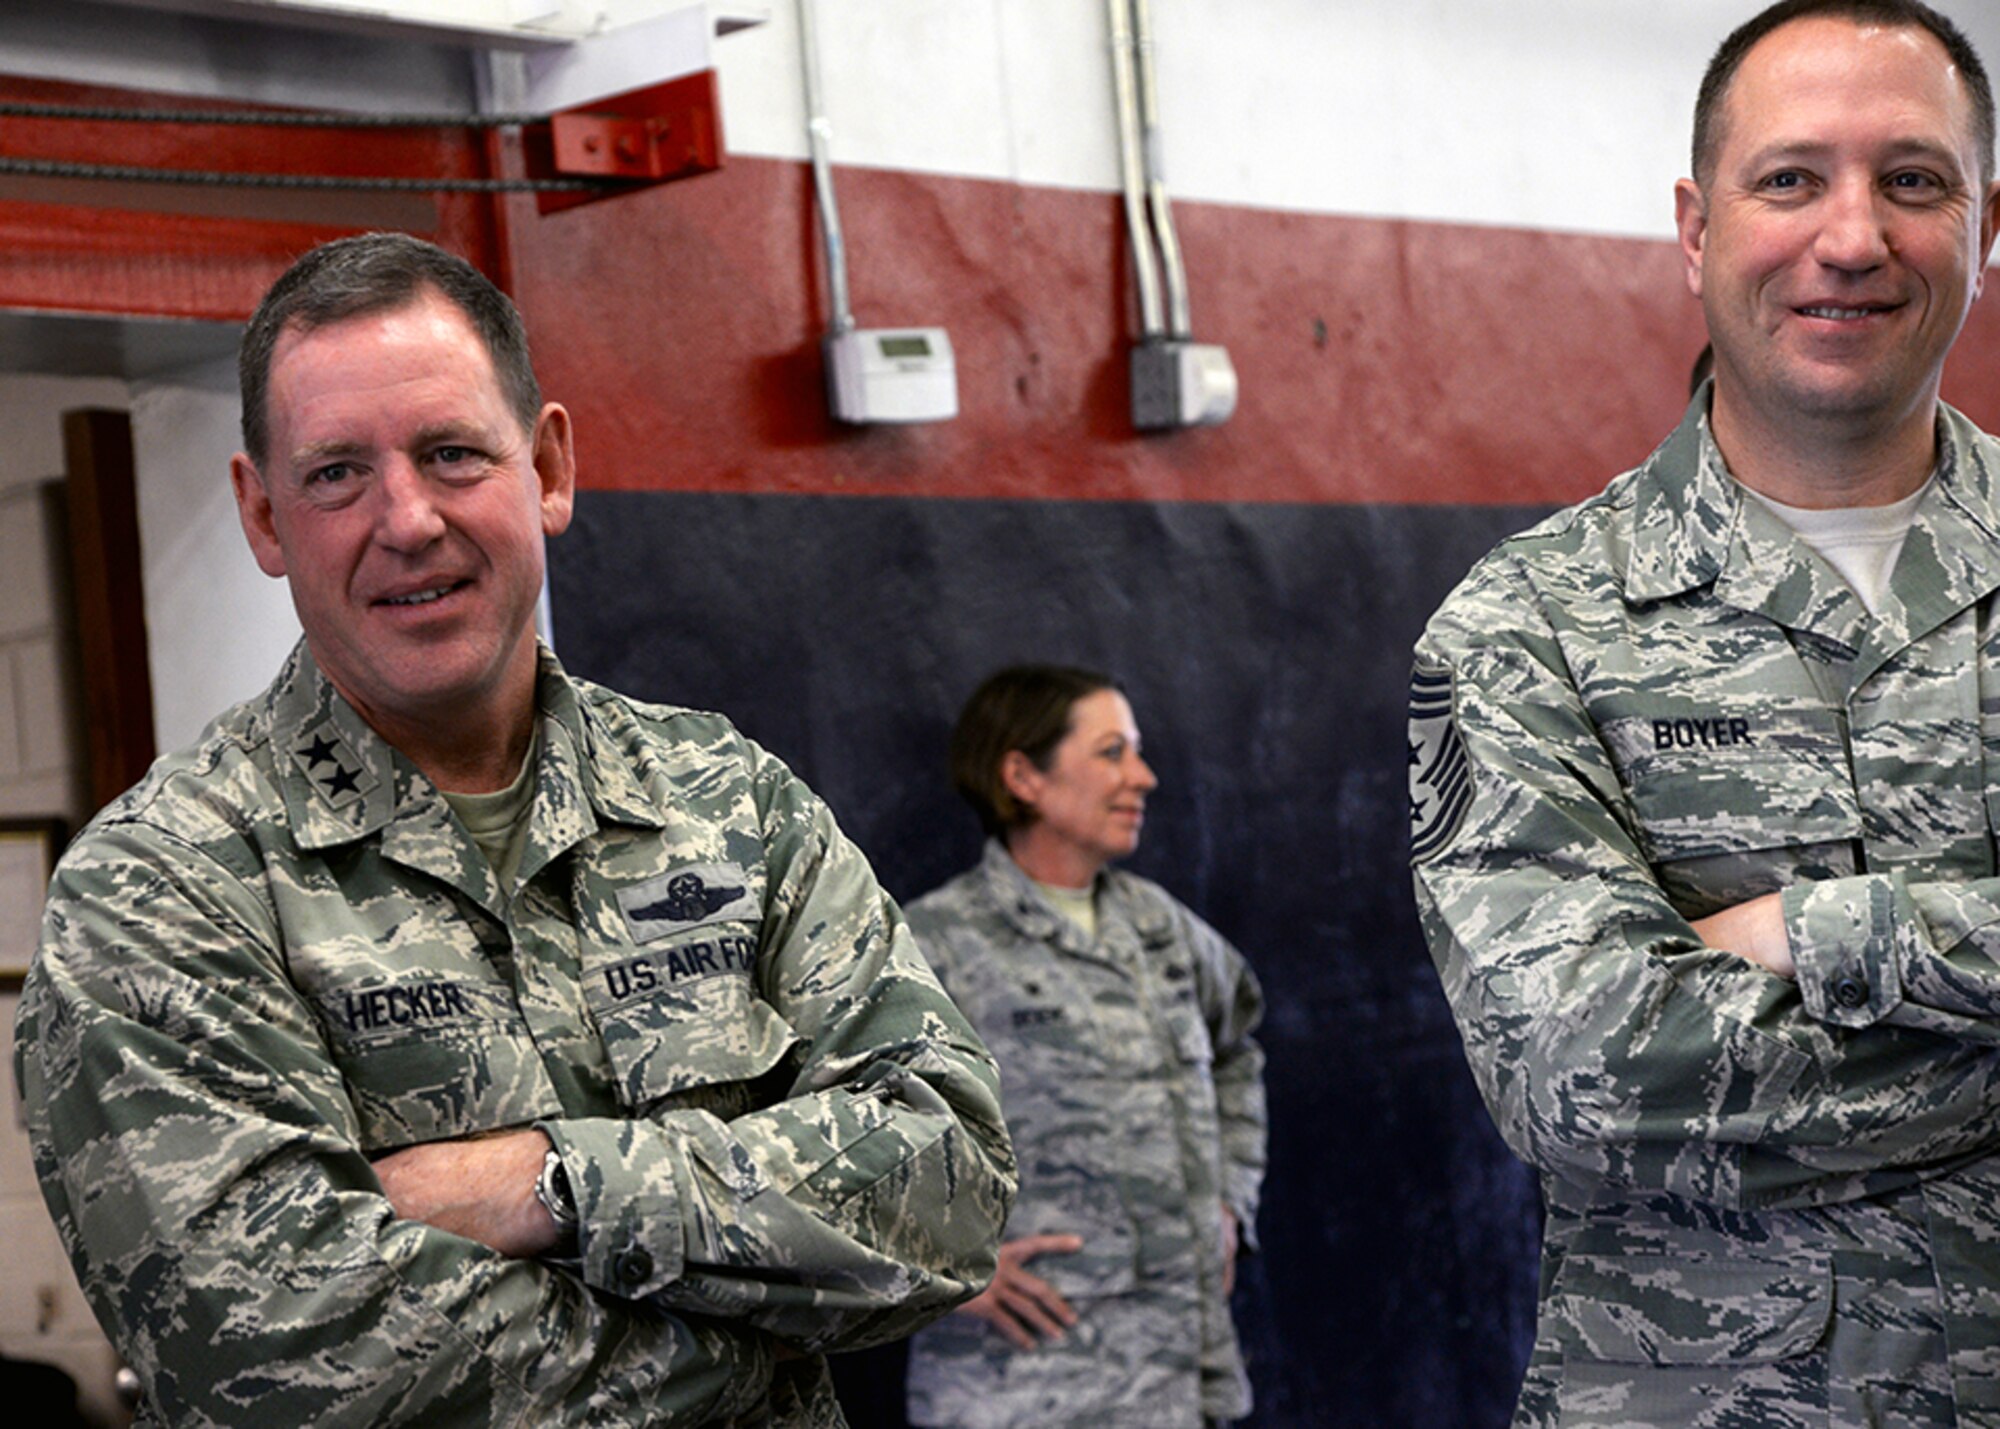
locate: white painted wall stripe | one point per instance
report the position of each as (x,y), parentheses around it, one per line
(1570,115)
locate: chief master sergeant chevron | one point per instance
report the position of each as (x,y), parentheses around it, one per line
(1706,775)
(447,1041)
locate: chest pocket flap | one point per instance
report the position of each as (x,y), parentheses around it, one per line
(1673,1310)
(1698,804)
(686,1014)
(432,1058)
(1723,825)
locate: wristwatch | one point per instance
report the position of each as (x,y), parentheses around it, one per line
(552,1190)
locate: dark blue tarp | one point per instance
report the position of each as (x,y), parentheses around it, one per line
(1266,652)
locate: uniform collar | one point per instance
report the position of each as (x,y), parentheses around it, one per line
(588,763)
(342,782)
(338,777)
(1021,903)
(1694,526)
(1024,908)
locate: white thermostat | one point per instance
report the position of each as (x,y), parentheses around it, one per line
(891,375)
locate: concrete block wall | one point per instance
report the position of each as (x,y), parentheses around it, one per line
(42,1312)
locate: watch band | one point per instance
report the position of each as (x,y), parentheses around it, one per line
(552,1189)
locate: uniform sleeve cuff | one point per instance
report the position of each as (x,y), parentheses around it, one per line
(1843,937)
(629,1237)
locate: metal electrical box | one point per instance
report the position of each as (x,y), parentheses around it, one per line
(1181,384)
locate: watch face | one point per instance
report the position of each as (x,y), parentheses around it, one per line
(553,1191)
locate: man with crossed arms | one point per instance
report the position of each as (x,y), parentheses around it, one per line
(1705,778)
(446,1040)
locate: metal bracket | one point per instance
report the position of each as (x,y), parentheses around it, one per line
(648,136)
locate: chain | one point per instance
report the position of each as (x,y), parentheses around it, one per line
(58,169)
(283,119)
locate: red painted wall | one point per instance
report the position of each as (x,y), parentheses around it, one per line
(1379,360)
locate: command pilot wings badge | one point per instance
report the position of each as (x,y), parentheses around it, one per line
(683,899)
(1440,775)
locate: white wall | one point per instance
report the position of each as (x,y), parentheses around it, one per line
(1546,114)
(217,628)
(31,409)
(41,764)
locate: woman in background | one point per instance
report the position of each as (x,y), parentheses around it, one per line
(1134,1093)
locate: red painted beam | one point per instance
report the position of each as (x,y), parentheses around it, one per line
(167,250)
(663,132)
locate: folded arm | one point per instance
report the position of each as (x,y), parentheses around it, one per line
(870,1198)
(1610,1040)
(202,1162)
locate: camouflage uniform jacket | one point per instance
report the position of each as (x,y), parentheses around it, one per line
(1135,1097)
(1769,1202)
(281,954)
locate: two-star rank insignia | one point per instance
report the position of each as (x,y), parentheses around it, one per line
(333,766)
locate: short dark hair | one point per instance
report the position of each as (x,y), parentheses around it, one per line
(1895,14)
(370,273)
(1024,707)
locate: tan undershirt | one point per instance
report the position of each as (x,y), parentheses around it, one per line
(1079,905)
(498,822)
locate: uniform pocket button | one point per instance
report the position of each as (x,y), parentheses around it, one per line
(633,1266)
(1850,992)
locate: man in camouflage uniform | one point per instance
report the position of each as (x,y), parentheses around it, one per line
(1703,828)
(445,1040)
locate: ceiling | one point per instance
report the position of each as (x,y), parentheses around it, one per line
(507,23)
(82,345)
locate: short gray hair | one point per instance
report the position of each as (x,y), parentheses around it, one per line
(370,273)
